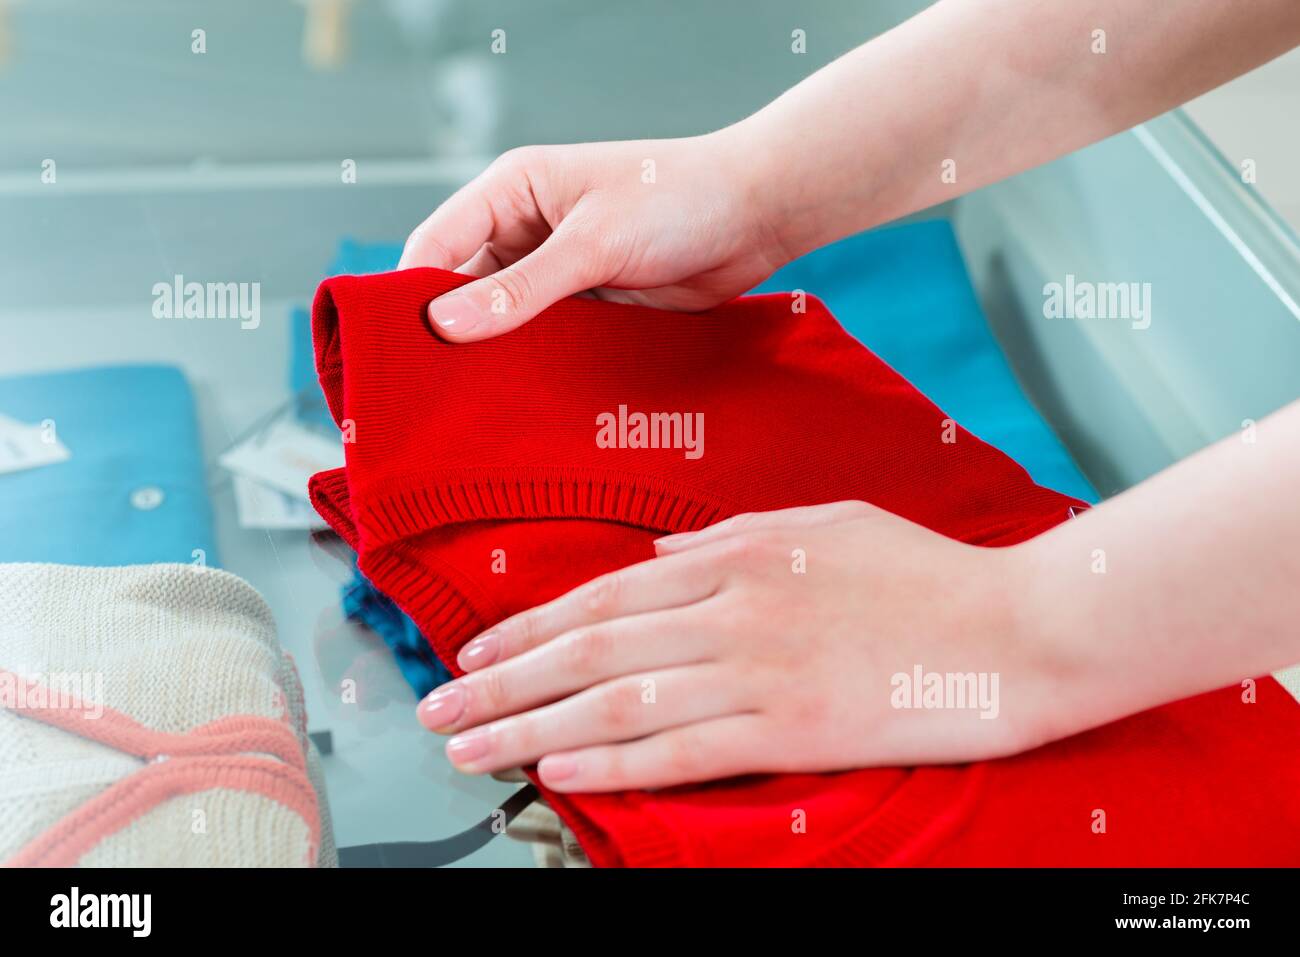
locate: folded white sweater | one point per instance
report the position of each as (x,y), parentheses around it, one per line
(148,717)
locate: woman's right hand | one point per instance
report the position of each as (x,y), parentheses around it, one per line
(676,224)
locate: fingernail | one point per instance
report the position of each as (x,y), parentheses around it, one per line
(454,313)
(442,707)
(672,539)
(555,768)
(483,650)
(468,747)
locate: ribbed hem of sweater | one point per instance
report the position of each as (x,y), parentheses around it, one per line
(328,492)
(404,506)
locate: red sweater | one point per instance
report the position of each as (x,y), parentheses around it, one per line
(464,455)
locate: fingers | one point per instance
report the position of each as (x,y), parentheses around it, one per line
(527,255)
(716,748)
(576,660)
(483,263)
(655,585)
(456,230)
(622,709)
(803,517)
(506,299)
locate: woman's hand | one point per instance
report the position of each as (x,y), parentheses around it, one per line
(769,642)
(917,116)
(677,224)
(777,641)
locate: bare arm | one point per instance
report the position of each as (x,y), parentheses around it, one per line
(1188,581)
(995,86)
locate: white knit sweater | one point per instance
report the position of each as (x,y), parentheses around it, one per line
(105,675)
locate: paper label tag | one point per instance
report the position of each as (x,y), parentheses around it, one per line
(262,507)
(284,456)
(25,446)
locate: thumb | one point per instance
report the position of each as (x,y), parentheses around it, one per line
(802,517)
(508,298)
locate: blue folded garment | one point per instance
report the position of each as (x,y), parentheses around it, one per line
(134,490)
(903,292)
(420,667)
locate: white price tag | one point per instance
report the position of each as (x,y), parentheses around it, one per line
(25,446)
(262,507)
(284,456)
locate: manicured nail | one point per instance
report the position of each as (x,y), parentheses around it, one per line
(555,768)
(442,707)
(454,313)
(670,540)
(482,651)
(468,747)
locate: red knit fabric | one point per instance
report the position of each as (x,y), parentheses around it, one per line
(465,454)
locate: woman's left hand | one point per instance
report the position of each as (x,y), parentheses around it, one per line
(771,642)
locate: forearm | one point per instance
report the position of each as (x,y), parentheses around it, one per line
(1187,582)
(982,90)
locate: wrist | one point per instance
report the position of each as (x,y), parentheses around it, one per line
(1044,632)
(764,206)
(804,193)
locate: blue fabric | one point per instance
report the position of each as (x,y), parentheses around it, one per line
(357,259)
(128,428)
(419,665)
(903,292)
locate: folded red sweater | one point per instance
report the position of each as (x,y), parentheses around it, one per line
(566,446)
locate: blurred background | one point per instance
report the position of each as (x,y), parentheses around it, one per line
(271,142)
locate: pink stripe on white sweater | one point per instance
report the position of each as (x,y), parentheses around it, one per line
(219,754)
